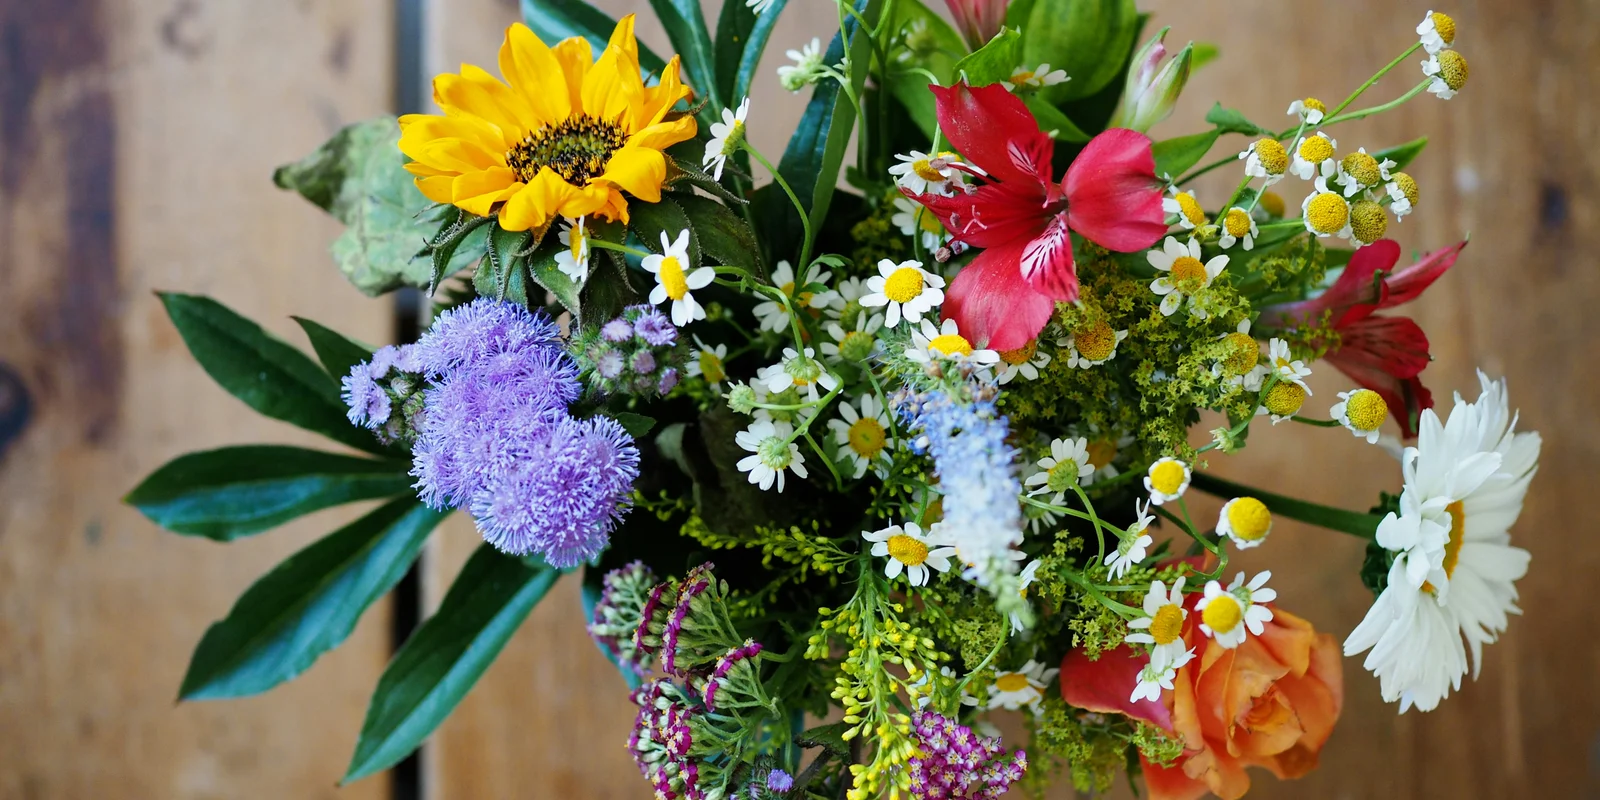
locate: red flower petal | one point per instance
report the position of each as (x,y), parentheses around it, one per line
(994,130)
(993,305)
(1386,354)
(995,214)
(1405,285)
(1171,783)
(1104,685)
(1113,196)
(1047,262)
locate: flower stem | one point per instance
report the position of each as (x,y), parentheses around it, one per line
(621,248)
(838,482)
(1355,523)
(805,218)
(1378,109)
(1374,79)
(1321,423)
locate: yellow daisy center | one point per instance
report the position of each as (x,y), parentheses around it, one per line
(907,550)
(672,278)
(950,344)
(904,285)
(1285,399)
(1313,104)
(578,242)
(1242,354)
(866,437)
(1453,69)
(1021,355)
(1445,26)
(1096,341)
(1101,453)
(1368,223)
(1363,167)
(924,169)
(1452,548)
(1316,149)
(1273,204)
(1011,682)
(1249,518)
(1022,77)
(1190,208)
(1408,186)
(711,367)
(1274,159)
(1186,270)
(1237,222)
(855,346)
(1167,624)
(1223,613)
(1167,477)
(1327,213)
(1365,409)
(576,148)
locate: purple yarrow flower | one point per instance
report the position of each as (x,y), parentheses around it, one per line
(369,404)
(691,587)
(647,616)
(644,362)
(467,334)
(725,665)
(669,379)
(951,761)
(616,331)
(655,329)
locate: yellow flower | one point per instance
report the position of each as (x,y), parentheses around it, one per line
(564,135)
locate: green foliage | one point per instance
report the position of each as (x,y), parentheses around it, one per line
(1054,121)
(337,352)
(722,235)
(1090,39)
(1228,120)
(686,29)
(937,51)
(554,20)
(741,39)
(1063,737)
(1402,154)
(994,62)
(1176,156)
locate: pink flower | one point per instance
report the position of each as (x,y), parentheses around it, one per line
(1022,218)
(979,20)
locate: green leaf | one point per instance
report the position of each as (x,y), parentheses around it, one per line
(441,661)
(1175,156)
(911,88)
(554,20)
(607,289)
(545,272)
(686,29)
(1204,53)
(741,39)
(232,492)
(460,244)
(1355,523)
(637,425)
(262,370)
(651,221)
(722,235)
(1228,120)
(1090,39)
(308,604)
(993,62)
(680,172)
(830,737)
(1402,154)
(1053,119)
(337,352)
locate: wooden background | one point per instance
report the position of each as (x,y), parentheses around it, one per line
(136,142)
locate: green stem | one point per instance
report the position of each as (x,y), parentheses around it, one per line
(1355,523)
(1094,518)
(805,219)
(1379,109)
(621,248)
(1374,79)
(1214,548)
(1321,423)
(838,482)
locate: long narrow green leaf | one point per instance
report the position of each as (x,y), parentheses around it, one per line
(233,492)
(337,352)
(686,28)
(741,39)
(554,20)
(308,604)
(268,374)
(441,661)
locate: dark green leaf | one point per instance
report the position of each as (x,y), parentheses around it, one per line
(741,39)
(607,290)
(680,172)
(554,20)
(308,604)
(262,370)
(1052,120)
(651,221)
(1228,120)
(1402,154)
(441,661)
(722,235)
(993,62)
(1090,39)
(637,425)
(1175,156)
(236,491)
(1375,567)
(463,242)
(686,28)
(545,272)
(830,736)
(337,352)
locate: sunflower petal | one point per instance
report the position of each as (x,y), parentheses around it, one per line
(613,87)
(535,74)
(575,57)
(476,93)
(477,192)
(662,135)
(638,171)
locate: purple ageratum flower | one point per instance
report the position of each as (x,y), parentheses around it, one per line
(467,334)
(669,379)
(654,327)
(779,781)
(616,331)
(382,361)
(951,761)
(369,404)
(610,365)
(644,362)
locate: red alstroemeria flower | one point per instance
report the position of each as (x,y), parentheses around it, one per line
(1022,218)
(1384,354)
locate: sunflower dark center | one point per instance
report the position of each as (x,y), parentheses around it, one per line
(576,148)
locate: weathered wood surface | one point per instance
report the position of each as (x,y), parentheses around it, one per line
(137,142)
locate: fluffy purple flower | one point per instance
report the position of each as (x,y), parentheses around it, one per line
(644,362)
(616,331)
(952,762)
(408,358)
(779,781)
(610,365)
(369,404)
(655,329)
(669,379)
(381,362)
(465,335)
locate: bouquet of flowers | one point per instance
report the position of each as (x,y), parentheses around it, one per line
(849,455)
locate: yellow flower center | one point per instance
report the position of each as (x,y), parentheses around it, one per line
(1249,518)
(855,346)
(907,550)
(1452,548)
(576,148)
(1408,186)
(1190,208)
(1274,159)
(1011,682)
(1368,223)
(1022,77)
(866,437)
(950,344)
(1187,270)
(672,278)
(1167,624)
(1242,354)
(1285,399)
(1096,341)
(929,222)
(1237,222)
(1021,355)
(924,169)
(1363,167)
(1167,477)
(903,285)
(578,241)
(1316,149)
(1273,204)
(1445,26)
(1222,613)
(1365,409)
(1453,69)
(711,367)
(1327,213)
(1102,452)
(1313,104)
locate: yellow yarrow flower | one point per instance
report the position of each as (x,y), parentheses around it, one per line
(564,135)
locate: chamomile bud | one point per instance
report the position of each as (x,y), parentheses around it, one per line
(1448,69)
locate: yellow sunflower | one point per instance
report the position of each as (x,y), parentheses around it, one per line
(562,136)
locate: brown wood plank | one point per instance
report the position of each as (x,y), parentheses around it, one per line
(137,143)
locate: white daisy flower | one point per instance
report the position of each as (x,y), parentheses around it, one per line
(1266,158)
(1161,627)
(1238,226)
(1448,69)
(1065,467)
(759,6)
(906,289)
(844,302)
(1246,521)
(1185,275)
(1041,519)
(909,551)
(708,363)
(574,260)
(1167,480)
(1013,690)
(807,66)
(924,173)
(914,220)
(773,453)
(1103,452)
(1091,345)
(1025,579)
(1284,363)
(726,136)
(863,438)
(1436,32)
(770,314)
(1152,679)
(1402,193)
(930,343)
(1183,209)
(852,346)
(1037,77)
(1313,155)
(1133,546)
(675,282)
(1225,615)
(801,371)
(1024,362)
(1362,412)
(1310,109)
(788,396)
(1326,212)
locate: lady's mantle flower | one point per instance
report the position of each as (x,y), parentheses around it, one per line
(1185,275)
(863,438)
(909,550)
(1226,615)
(1167,480)
(1065,467)
(1020,688)
(774,453)
(1091,344)
(1246,521)
(927,173)
(906,289)
(1133,546)
(1161,627)
(675,281)
(726,136)
(1362,412)
(1448,69)
(1436,32)
(930,344)
(805,70)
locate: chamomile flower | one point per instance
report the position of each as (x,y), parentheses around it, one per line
(844,302)
(852,346)
(759,7)
(1037,77)
(800,371)
(708,363)
(1362,412)
(1023,362)
(1361,170)
(1091,344)
(1025,579)
(1065,467)
(1283,362)
(726,136)
(1167,480)
(1184,209)
(912,219)
(1161,627)
(1238,226)
(1133,545)
(1448,69)
(1020,688)
(1311,110)
(573,260)
(1103,451)
(1186,276)
(675,281)
(1326,212)
(930,343)
(927,173)
(1436,32)
(1246,521)
(1153,679)
(807,66)
(1265,158)
(771,315)
(905,290)
(1226,615)
(1313,156)
(1403,192)
(773,453)
(1283,400)
(909,551)
(863,438)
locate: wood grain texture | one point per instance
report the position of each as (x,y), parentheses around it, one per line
(137,142)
